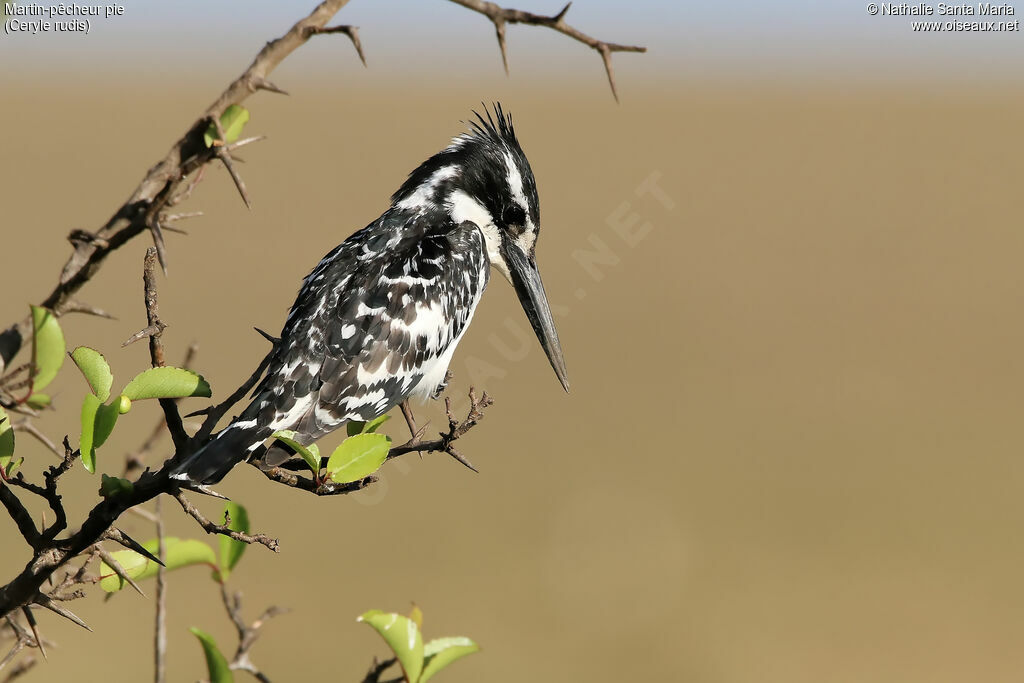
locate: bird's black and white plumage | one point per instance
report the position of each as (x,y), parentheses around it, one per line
(378,320)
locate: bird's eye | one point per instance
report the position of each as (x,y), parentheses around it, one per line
(514,218)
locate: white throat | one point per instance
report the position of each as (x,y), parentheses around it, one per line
(462,207)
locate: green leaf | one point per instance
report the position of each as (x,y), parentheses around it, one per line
(39,401)
(98,420)
(402,636)
(166,383)
(47,347)
(416,614)
(230,549)
(90,404)
(106,418)
(439,653)
(96,370)
(367,427)
(216,664)
(177,553)
(232,121)
(357,457)
(310,453)
(113,486)
(6,442)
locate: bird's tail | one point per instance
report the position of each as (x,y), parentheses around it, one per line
(213,461)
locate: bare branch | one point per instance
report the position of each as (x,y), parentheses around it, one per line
(20,515)
(223,529)
(500,16)
(154,330)
(247,633)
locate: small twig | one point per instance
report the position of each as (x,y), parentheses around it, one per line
(377,670)
(160,629)
(154,330)
(223,529)
(247,633)
(26,425)
(21,668)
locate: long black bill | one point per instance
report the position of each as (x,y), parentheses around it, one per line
(530,290)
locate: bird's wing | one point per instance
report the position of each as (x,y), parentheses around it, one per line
(368,319)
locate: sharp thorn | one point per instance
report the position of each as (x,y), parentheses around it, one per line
(269,337)
(127,541)
(354,35)
(561,15)
(120,571)
(171,218)
(499,29)
(239,185)
(158,242)
(606,57)
(49,604)
(264,84)
(31,619)
(242,143)
(458,456)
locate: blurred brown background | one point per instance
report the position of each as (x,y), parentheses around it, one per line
(792,447)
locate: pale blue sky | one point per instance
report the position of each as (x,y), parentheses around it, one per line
(687,39)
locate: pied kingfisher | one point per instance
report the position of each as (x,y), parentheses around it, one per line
(377,321)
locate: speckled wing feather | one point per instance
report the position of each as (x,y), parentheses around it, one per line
(375,322)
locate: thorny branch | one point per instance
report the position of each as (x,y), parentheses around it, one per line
(222,529)
(285,472)
(500,16)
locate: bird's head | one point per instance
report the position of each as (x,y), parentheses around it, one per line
(483,177)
